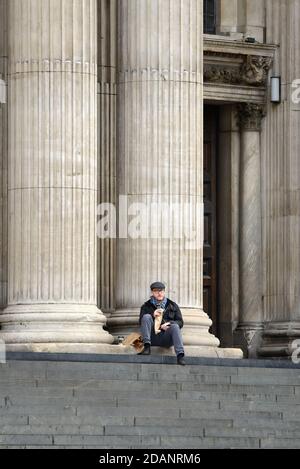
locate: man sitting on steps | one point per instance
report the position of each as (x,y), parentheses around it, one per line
(161,322)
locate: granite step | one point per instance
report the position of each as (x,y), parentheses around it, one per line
(107,404)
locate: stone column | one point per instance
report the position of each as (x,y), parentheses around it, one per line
(250,243)
(107,98)
(228,196)
(238,18)
(252,18)
(228,17)
(160,160)
(281,165)
(3,157)
(52,178)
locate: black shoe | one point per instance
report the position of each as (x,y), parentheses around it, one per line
(180,359)
(146,351)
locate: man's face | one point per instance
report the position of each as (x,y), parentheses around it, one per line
(158,294)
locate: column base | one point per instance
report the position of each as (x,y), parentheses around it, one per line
(279,339)
(248,337)
(54,328)
(195,331)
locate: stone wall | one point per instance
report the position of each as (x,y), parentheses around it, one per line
(3,158)
(239,18)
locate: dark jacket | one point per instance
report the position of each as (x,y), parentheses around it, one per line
(171,314)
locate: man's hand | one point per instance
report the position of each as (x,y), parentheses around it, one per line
(165,326)
(158,312)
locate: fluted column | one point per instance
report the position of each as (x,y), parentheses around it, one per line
(107,98)
(281,166)
(228,196)
(3,157)
(160,159)
(250,244)
(52,178)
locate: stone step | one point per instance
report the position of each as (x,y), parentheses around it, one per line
(258,432)
(131,371)
(203,412)
(47,404)
(252,389)
(14,396)
(103,421)
(222,422)
(212,430)
(103,384)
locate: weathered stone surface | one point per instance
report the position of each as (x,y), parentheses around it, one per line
(160,161)
(135,416)
(52,178)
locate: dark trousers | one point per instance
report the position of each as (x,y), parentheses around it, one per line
(171,336)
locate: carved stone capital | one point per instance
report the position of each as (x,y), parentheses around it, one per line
(250,116)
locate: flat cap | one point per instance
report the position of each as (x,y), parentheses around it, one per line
(158,286)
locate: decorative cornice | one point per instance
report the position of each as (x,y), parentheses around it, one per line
(220,44)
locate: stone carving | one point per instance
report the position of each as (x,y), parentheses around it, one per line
(250,116)
(218,74)
(249,335)
(253,72)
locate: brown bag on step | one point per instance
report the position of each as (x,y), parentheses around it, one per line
(134,340)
